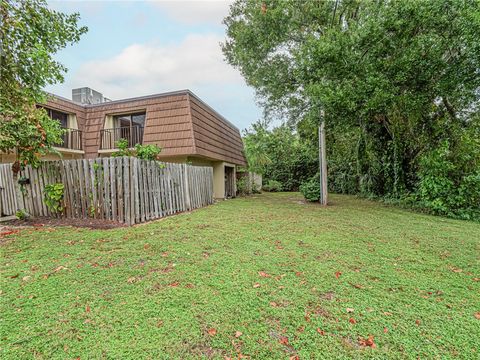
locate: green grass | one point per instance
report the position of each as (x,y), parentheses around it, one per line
(154,290)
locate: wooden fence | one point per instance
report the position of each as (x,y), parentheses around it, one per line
(8,199)
(126,189)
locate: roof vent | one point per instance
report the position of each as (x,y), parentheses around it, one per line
(88,96)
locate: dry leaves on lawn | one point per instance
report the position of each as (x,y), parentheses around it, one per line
(367,342)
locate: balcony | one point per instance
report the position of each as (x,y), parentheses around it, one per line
(110,137)
(71,140)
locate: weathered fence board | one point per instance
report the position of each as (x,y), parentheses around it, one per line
(8,198)
(127,190)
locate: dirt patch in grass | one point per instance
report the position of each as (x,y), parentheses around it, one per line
(54,222)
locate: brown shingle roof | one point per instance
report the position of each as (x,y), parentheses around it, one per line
(179,122)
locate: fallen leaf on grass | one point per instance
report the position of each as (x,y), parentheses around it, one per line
(212,331)
(146,246)
(367,342)
(385,330)
(357,286)
(256,285)
(352,321)
(337,274)
(131,280)
(174,284)
(263,274)
(8,232)
(320,331)
(477,315)
(283,340)
(238,334)
(418,322)
(273,304)
(350,310)
(87,308)
(294,357)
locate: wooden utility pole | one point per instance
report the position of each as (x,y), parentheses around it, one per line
(322,159)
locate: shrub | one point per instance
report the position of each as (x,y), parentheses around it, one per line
(147,152)
(311,189)
(144,152)
(21,215)
(54,197)
(242,186)
(449,183)
(273,186)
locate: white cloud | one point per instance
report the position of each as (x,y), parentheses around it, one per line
(195,63)
(195,11)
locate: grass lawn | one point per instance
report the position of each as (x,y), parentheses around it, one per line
(267,277)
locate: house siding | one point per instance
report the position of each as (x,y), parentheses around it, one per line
(165,123)
(214,137)
(180,123)
(69,107)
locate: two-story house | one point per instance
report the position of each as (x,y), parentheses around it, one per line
(185,127)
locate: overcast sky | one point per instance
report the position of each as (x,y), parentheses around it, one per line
(140,48)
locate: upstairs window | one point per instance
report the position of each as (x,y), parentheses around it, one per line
(61,117)
(130,120)
(117,127)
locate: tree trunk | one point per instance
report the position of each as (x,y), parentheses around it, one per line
(322,157)
(18,190)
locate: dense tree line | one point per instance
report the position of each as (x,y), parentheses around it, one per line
(397,83)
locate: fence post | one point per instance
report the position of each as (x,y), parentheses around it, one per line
(187,189)
(18,194)
(137,217)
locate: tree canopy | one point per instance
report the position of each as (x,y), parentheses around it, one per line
(397,81)
(30,36)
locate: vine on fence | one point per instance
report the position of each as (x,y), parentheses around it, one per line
(54,197)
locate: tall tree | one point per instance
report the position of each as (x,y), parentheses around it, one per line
(30,35)
(394,70)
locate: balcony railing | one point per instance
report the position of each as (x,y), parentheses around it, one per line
(71,139)
(110,137)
